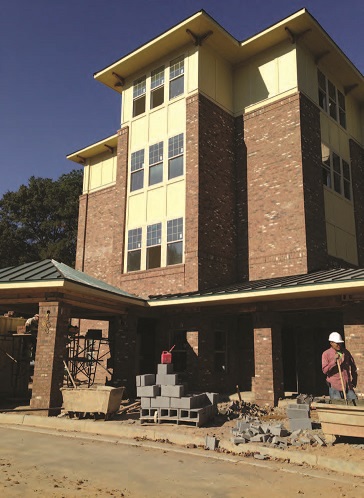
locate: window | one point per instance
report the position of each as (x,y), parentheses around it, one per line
(336,173)
(139,89)
(134,249)
(157,87)
(322,90)
(137,170)
(154,237)
(156,163)
(176,77)
(331,100)
(220,357)
(174,241)
(175,156)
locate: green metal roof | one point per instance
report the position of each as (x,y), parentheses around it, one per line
(50,270)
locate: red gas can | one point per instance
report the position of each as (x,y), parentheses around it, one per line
(167,356)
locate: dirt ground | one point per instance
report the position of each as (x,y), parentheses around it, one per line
(344,448)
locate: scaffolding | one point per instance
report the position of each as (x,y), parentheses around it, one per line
(85,355)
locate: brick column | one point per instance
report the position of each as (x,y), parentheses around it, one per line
(268,380)
(51,351)
(123,337)
(354,341)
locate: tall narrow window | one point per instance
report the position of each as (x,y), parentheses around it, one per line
(342,109)
(156,163)
(332,100)
(175,156)
(137,170)
(139,90)
(157,87)
(347,180)
(322,90)
(326,168)
(337,172)
(134,249)
(154,239)
(176,77)
(174,241)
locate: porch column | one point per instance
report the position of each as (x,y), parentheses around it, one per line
(51,351)
(268,380)
(354,341)
(123,335)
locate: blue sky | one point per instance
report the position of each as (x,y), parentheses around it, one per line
(50,105)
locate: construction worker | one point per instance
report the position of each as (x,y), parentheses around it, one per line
(335,361)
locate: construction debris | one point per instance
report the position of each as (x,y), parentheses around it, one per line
(251,430)
(238,409)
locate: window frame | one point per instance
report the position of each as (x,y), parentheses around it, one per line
(134,170)
(338,172)
(134,246)
(138,96)
(331,100)
(174,143)
(158,87)
(151,244)
(174,237)
(156,160)
(175,75)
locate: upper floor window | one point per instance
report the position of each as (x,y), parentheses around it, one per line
(156,163)
(336,173)
(176,77)
(174,241)
(154,240)
(157,87)
(139,89)
(331,100)
(134,249)
(175,156)
(137,170)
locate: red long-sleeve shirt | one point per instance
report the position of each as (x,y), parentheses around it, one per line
(330,368)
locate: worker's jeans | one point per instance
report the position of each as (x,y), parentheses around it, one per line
(335,394)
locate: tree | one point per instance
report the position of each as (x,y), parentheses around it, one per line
(39,221)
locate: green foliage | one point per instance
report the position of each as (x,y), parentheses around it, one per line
(39,221)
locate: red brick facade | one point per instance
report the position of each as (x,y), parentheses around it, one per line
(254,210)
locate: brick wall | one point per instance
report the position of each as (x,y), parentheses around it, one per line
(277,238)
(357,172)
(354,339)
(217,235)
(317,257)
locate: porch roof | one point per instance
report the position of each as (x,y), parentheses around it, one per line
(347,283)
(23,287)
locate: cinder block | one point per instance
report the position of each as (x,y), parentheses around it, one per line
(190,402)
(257,438)
(303,407)
(147,380)
(167,379)
(213,398)
(172,391)
(241,425)
(148,391)
(145,402)
(137,381)
(300,423)
(211,443)
(165,368)
(160,402)
(278,431)
(239,440)
(295,413)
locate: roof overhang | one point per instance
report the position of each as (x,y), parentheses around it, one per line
(107,144)
(300,26)
(344,289)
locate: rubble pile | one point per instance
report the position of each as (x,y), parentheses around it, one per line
(252,430)
(235,409)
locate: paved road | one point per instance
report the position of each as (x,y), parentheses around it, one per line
(54,464)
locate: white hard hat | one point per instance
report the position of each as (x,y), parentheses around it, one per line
(335,337)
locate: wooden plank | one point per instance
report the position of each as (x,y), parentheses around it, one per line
(342,430)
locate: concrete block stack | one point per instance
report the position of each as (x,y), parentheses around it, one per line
(163,399)
(299,416)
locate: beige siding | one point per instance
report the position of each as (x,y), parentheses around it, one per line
(216,78)
(265,77)
(100,172)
